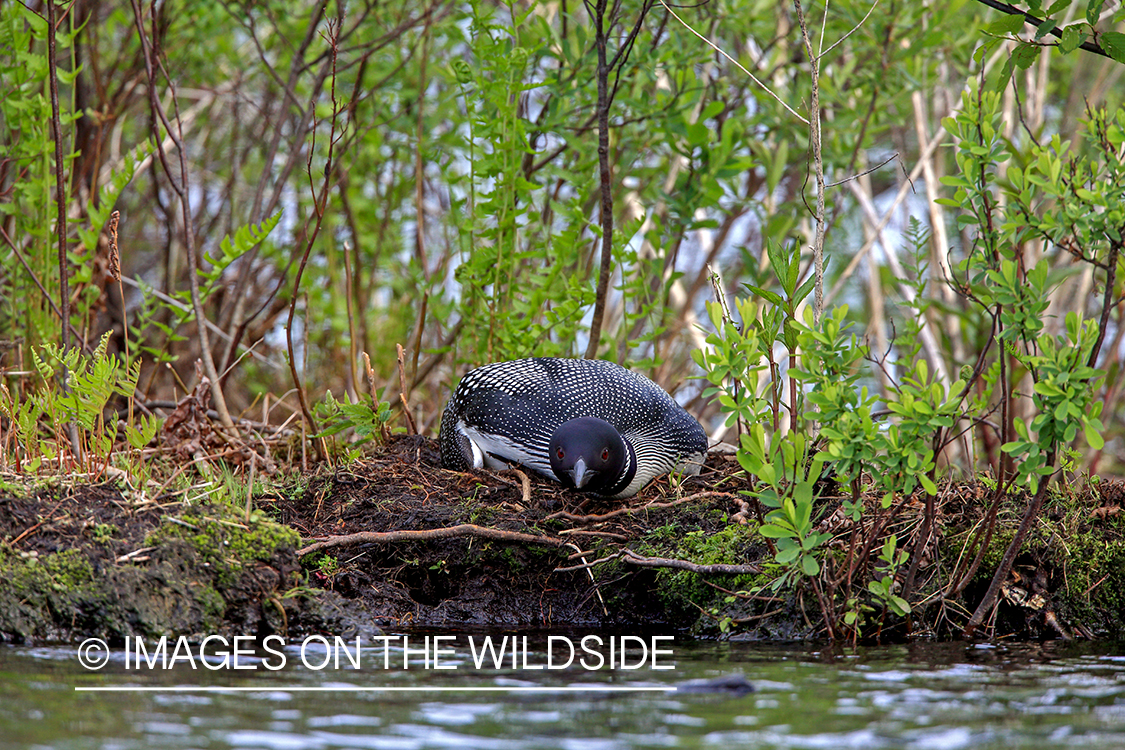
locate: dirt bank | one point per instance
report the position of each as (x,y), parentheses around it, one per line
(394,541)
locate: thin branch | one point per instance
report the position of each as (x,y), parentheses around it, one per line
(60,181)
(152,60)
(411,535)
(632,558)
(1009,558)
(1107,306)
(875,168)
(320,202)
(173,302)
(60,204)
(903,190)
(606,187)
(818,165)
(737,64)
(663,562)
(1012,10)
(42,290)
(856,28)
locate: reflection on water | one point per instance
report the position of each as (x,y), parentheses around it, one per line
(921,696)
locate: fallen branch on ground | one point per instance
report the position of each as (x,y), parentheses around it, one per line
(627,555)
(410,535)
(663,562)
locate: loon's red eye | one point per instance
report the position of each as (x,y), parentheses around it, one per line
(560,454)
(605,454)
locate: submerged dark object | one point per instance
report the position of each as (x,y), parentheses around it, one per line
(588,423)
(735,685)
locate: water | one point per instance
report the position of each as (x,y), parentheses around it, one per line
(921,696)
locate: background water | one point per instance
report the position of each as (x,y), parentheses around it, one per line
(921,696)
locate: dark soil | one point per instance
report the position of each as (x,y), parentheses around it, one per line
(372,545)
(474,582)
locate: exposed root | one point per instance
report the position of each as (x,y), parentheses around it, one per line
(628,556)
(465,529)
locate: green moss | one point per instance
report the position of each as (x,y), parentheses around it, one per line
(30,575)
(1091,568)
(36,590)
(482,515)
(684,590)
(225,544)
(1083,556)
(511,560)
(214,607)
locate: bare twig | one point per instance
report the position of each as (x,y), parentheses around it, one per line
(593,581)
(152,61)
(875,168)
(818,165)
(60,182)
(320,202)
(605,270)
(410,535)
(752,77)
(663,562)
(525,486)
(42,289)
(411,428)
(632,558)
(353,332)
(856,28)
(60,205)
(173,302)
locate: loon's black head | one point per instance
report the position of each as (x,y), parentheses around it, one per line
(589,454)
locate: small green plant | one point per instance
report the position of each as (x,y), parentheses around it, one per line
(883,588)
(790,523)
(41,421)
(781,322)
(367,422)
(328,566)
(1064,401)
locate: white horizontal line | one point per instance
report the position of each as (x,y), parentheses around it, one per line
(353,689)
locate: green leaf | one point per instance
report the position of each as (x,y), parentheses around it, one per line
(807,287)
(1025,55)
(1113,42)
(772,297)
(1000,83)
(1094,438)
(1045,28)
(1015,446)
(1072,38)
(809,565)
(787,555)
(1093,10)
(775,532)
(927,484)
(1008,24)
(900,606)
